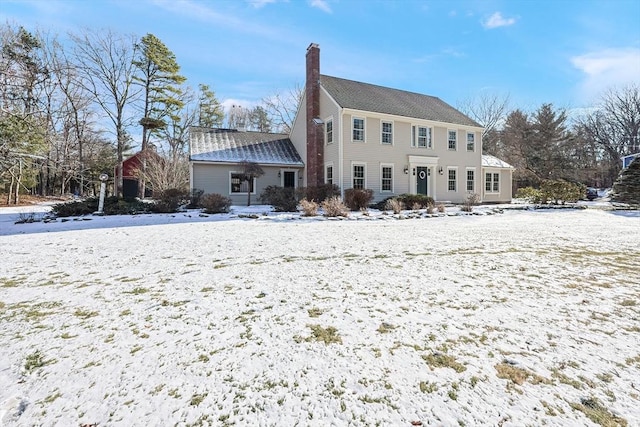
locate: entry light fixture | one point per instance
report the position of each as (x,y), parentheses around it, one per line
(406,170)
(440,170)
(279,174)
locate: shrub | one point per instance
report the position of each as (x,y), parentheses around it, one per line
(334,207)
(440,208)
(318,193)
(357,198)
(115,206)
(470,201)
(309,207)
(282,199)
(529,194)
(626,189)
(194,199)
(416,199)
(562,191)
(215,203)
(75,208)
(169,200)
(394,204)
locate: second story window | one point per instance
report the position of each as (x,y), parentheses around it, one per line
(453,140)
(329,128)
(471,142)
(387,133)
(358,129)
(421,137)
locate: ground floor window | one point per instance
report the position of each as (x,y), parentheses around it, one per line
(492,182)
(387,178)
(238,185)
(471,180)
(329,175)
(451,186)
(358,176)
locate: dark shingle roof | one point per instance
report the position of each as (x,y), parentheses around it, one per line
(379,99)
(233,146)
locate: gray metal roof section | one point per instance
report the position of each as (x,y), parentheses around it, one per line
(379,99)
(233,146)
(489,161)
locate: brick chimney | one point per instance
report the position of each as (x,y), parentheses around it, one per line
(315,130)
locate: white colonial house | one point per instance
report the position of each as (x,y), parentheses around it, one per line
(358,135)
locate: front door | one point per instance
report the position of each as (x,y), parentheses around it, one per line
(422,176)
(289,179)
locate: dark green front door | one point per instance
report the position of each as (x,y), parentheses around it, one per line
(422,175)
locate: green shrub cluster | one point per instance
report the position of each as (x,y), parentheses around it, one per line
(282,199)
(411,200)
(194,198)
(215,203)
(553,191)
(112,206)
(358,198)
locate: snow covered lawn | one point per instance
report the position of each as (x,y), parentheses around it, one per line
(521,318)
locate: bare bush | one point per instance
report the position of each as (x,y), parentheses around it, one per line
(470,201)
(215,203)
(357,198)
(394,205)
(334,207)
(440,207)
(309,207)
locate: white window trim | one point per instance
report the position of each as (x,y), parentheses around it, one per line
(382,123)
(453,168)
(387,165)
(466,180)
(456,132)
(414,137)
(333,172)
(353,163)
(364,127)
(474,142)
(492,191)
(231,193)
(326,133)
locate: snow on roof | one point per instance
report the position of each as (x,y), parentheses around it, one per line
(233,146)
(489,161)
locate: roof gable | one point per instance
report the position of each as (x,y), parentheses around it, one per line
(379,99)
(233,146)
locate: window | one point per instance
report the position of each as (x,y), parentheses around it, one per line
(451,186)
(387,178)
(329,129)
(358,176)
(238,185)
(471,180)
(329,175)
(387,133)
(492,183)
(421,137)
(471,142)
(358,129)
(453,140)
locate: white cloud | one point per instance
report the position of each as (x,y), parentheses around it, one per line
(606,69)
(260,3)
(497,20)
(321,4)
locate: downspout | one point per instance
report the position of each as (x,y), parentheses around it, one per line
(341,153)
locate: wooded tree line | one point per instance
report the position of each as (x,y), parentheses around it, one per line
(548,144)
(69,110)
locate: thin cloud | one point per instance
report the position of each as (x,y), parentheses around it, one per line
(322,5)
(497,20)
(607,68)
(260,3)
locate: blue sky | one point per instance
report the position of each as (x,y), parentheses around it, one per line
(564,52)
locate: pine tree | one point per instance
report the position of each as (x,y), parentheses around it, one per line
(210,111)
(626,189)
(158,74)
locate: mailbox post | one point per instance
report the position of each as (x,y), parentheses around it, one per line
(103,186)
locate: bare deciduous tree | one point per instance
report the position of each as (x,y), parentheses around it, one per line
(282,108)
(490,111)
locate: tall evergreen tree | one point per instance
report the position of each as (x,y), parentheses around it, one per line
(210,111)
(158,74)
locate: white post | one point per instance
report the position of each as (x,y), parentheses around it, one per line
(103,186)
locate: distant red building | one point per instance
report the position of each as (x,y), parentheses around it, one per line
(130,178)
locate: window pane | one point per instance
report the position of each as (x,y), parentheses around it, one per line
(329,132)
(387,180)
(358,176)
(452,180)
(358,129)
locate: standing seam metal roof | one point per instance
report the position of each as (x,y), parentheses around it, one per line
(379,99)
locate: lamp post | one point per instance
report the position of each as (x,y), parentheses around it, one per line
(103,186)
